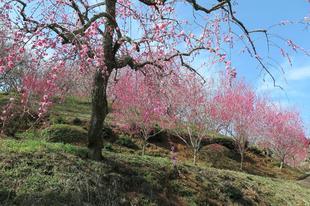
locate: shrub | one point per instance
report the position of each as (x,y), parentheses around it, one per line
(58,120)
(108,147)
(125,141)
(32,134)
(65,134)
(17,122)
(221,140)
(77,121)
(255,150)
(108,134)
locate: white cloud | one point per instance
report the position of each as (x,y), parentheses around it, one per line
(299,73)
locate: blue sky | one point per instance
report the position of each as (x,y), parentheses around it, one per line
(295,80)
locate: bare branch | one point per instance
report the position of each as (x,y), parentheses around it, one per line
(68,36)
(129,61)
(78,11)
(151,2)
(198,7)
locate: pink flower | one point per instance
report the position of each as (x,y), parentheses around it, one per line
(2,69)
(10,65)
(21,50)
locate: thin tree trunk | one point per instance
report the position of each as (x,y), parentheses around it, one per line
(195,156)
(281,165)
(99,113)
(242,144)
(143,149)
(145,135)
(242,159)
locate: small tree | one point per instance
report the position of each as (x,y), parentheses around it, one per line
(284,135)
(189,111)
(236,107)
(137,105)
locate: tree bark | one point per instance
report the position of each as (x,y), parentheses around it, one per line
(99,93)
(99,113)
(195,157)
(282,161)
(143,149)
(242,159)
(281,165)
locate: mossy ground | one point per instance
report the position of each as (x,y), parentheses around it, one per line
(36,172)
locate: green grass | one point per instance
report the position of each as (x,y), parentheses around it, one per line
(72,107)
(40,173)
(32,146)
(65,133)
(250,189)
(36,172)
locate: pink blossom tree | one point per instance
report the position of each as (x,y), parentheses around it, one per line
(236,107)
(10,76)
(189,111)
(284,135)
(137,105)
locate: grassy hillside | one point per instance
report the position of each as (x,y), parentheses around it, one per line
(40,173)
(36,169)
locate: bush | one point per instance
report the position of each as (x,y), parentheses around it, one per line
(77,121)
(18,122)
(108,147)
(257,151)
(58,120)
(221,140)
(108,133)
(32,134)
(125,141)
(65,134)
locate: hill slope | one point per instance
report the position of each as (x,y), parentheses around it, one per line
(36,172)
(40,173)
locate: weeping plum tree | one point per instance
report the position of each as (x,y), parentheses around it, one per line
(105,36)
(10,79)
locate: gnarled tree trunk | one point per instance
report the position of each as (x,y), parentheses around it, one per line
(99,113)
(99,93)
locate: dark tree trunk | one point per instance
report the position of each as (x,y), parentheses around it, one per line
(99,93)
(99,112)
